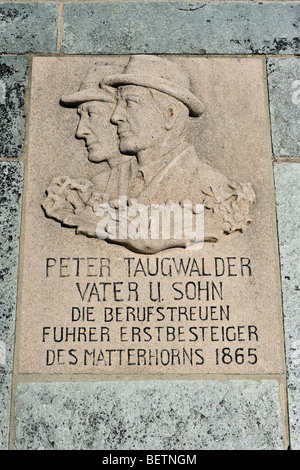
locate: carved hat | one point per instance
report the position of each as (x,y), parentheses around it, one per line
(90,89)
(160,74)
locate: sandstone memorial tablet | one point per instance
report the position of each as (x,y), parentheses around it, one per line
(150,236)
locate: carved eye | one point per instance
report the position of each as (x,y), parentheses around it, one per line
(130,103)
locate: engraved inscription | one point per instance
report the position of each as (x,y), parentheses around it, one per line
(185,319)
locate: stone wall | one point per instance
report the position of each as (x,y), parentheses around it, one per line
(210,411)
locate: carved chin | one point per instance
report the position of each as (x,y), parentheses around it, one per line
(124,147)
(128,144)
(96,156)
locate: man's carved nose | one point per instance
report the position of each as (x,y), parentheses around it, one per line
(81,131)
(117,115)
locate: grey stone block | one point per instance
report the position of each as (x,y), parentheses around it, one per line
(161,415)
(181,28)
(28,27)
(13,80)
(11,178)
(287,180)
(284,93)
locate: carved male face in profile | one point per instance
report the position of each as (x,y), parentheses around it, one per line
(153,104)
(94,107)
(95,128)
(141,121)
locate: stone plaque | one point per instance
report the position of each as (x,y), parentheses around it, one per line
(150,233)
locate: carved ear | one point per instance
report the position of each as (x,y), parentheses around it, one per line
(170,116)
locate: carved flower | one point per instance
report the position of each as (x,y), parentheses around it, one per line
(233,201)
(65,195)
(96,199)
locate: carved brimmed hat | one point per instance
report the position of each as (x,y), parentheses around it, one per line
(161,75)
(90,89)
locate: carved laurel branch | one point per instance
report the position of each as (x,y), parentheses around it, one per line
(74,203)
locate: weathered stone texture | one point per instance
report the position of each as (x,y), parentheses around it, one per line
(28,27)
(11,177)
(181,28)
(287,178)
(13,80)
(164,415)
(284,91)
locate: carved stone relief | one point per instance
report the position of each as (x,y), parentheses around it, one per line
(135,119)
(110,284)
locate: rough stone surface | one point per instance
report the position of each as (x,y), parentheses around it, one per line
(11,176)
(13,80)
(181,27)
(28,27)
(284,91)
(287,179)
(162,415)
